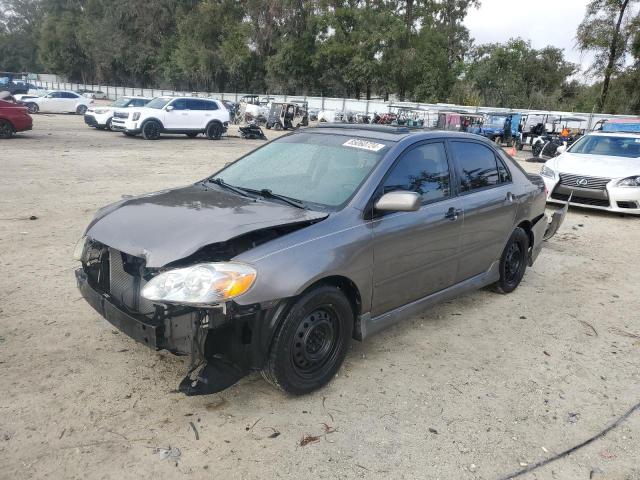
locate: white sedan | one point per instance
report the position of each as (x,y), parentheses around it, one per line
(601,170)
(59,101)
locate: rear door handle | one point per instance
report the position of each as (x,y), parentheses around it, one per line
(510,197)
(452,213)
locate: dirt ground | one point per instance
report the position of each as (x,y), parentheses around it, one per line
(472,389)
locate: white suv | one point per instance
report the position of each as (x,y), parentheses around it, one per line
(58,101)
(186,115)
(101,116)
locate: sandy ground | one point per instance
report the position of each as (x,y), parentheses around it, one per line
(472,389)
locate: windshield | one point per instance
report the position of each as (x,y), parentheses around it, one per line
(121,102)
(314,168)
(495,121)
(158,102)
(606,145)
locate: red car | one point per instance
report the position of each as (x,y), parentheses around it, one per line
(13,118)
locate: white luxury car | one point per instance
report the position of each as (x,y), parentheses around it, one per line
(58,101)
(186,115)
(101,116)
(600,170)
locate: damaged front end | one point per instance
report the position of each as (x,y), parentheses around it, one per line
(225,340)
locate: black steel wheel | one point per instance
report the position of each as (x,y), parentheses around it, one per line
(277,126)
(6,129)
(513,261)
(312,341)
(151,130)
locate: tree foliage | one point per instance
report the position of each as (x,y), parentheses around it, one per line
(417,50)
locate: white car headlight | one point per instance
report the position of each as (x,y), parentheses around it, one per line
(100,111)
(78,251)
(630,182)
(201,284)
(547,172)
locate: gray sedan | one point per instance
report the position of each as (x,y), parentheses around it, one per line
(276,262)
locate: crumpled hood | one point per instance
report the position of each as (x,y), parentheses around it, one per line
(596,165)
(172,224)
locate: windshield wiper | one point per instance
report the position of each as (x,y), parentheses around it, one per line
(267,193)
(222,183)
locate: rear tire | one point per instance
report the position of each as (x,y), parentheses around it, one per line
(311,343)
(214,131)
(151,130)
(81,109)
(32,108)
(6,129)
(513,262)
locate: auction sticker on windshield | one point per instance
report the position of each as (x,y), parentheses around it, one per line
(363,144)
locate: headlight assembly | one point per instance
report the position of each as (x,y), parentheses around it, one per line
(200,285)
(136,116)
(630,182)
(100,111)
(78,251)
(547,172)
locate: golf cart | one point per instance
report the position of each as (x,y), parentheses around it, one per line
(563,131)
(285,116)
(457,121)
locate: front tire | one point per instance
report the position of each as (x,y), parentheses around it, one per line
(81,109)
(6,129)
(151,130)
(513,261)
(311,343)
(32,108)
(109,125)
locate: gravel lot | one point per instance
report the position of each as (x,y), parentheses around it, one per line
(472,389)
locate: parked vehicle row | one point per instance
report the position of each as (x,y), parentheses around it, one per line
(56,101)
(101,117)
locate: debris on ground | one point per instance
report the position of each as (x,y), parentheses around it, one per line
(275,434)
(307,439)
(573,417)
(220,404)
(433,430)
(195,430)
(171,454)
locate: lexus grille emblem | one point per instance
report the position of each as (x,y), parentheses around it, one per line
(582,182)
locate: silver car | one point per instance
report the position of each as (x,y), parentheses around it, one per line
(276,262)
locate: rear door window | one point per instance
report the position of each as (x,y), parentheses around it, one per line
(477,166)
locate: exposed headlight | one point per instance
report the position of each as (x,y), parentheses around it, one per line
(201,284)
(136,116)
(78,251)
(547,172)
(100,111)
(630,182)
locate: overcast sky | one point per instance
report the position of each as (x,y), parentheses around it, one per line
(544,22)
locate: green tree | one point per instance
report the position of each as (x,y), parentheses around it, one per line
(605,31)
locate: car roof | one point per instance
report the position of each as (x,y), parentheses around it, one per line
(390,132)
(614,134)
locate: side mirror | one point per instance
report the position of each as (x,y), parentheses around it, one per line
(169,108)
(399,202)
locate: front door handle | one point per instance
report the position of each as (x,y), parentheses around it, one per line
(452,213)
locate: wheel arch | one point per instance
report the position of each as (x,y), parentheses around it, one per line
(147,120)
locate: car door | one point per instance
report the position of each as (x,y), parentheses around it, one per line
(487,196)
(176,117)
(416,253)
(198,111)
(68,102)
(53,103)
